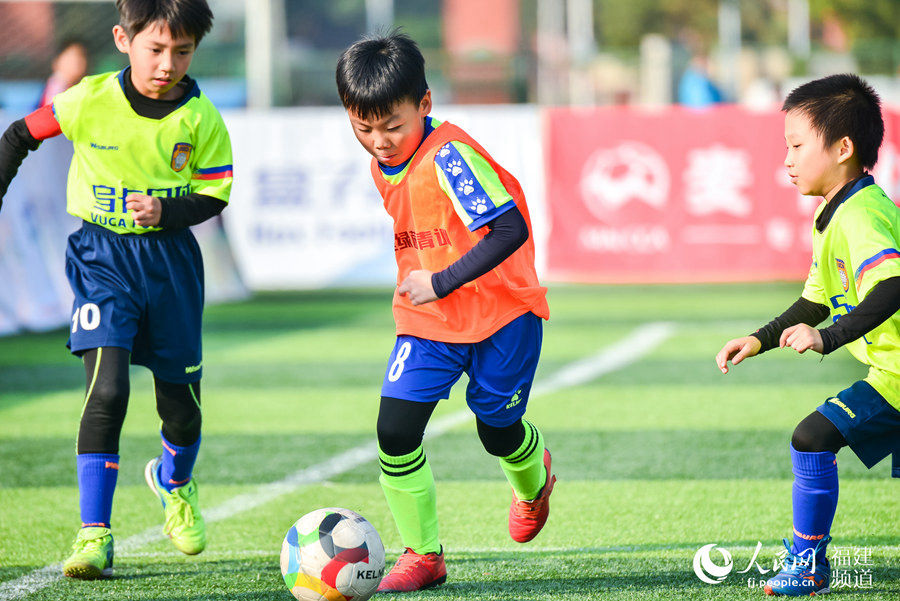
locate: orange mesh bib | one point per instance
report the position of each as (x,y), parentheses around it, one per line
(428,234)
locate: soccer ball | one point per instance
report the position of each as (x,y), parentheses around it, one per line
(332,554)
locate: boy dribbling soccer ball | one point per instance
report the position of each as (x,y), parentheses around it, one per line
(468,299)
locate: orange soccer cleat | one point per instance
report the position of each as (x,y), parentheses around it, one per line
(526,518)
(414,572)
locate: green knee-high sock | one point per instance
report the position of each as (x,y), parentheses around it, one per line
(525,467)
(408,486)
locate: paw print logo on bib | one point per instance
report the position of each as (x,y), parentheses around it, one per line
(479,205)
(466,186)
(454,167)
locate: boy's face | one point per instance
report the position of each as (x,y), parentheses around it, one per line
(158,59)
(813,167)
(394,137)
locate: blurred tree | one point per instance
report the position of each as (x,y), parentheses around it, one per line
(871,26)
(861,18)
(622,24)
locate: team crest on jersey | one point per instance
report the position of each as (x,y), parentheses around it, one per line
(842,270)
(180,155)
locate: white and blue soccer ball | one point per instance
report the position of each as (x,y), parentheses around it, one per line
(332,554)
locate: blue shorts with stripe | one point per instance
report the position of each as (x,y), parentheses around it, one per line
(140,292)
(869,424)
(500,370)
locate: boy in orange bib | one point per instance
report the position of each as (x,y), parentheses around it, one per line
(468,299)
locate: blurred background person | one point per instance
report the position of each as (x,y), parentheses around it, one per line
(696,88)
(69,66)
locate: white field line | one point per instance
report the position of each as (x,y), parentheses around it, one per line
(234,554)
(636,344)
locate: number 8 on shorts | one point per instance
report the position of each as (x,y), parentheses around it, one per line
(397,366)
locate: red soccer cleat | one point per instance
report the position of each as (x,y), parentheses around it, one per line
(526,518)
(414,572)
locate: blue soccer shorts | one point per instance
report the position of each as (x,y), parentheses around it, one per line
(500,369)
(140,292)
(869,424)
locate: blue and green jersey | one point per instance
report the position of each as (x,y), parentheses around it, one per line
(859,248)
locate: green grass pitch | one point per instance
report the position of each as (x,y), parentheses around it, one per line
(654,459)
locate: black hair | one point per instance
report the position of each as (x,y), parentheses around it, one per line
(842,105)
(183,17)
(376,73)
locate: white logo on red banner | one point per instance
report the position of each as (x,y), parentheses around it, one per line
(718,179)
(629,172)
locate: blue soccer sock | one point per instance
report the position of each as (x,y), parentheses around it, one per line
(815,496)
(97,474)
(177,464)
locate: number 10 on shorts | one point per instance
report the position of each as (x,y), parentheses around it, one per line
(88,315)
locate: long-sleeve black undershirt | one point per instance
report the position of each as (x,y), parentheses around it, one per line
(184,211)
(178,212)
(802,311)
(879,304)
(507,233)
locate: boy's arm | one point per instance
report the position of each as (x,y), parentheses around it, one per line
(507,233)
(189,210)
(769,336)
(178,212)
(21,137)
(802,311)
(211,180)
(480,199)
(878,305)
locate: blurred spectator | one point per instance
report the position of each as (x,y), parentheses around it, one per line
(695,88)
(69,66)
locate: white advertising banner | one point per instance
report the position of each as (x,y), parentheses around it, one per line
(304,212)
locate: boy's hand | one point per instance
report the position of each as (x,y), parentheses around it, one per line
(417,286)
(802,338)
(737,350)
(146,209)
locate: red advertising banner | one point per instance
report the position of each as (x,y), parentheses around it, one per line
(679,195)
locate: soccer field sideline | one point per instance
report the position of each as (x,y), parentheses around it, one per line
(629,349)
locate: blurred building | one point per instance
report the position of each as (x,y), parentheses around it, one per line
(582,52)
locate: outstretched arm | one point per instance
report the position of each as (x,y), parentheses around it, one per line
(507,233)
(803,311)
